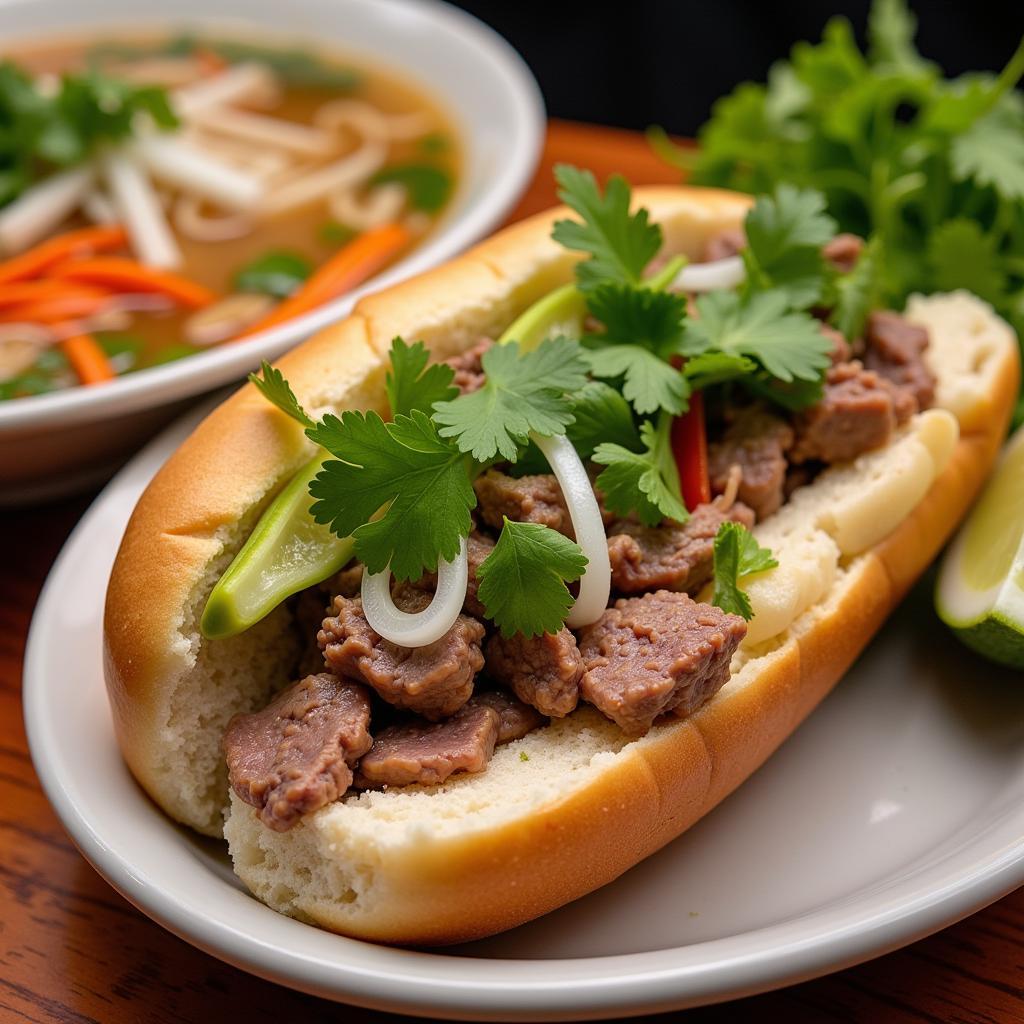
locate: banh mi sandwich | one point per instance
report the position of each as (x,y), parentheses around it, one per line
(492,589)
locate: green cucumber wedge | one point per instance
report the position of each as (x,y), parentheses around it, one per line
(285,553)
(980,591)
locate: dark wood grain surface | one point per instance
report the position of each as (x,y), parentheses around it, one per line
(71,949)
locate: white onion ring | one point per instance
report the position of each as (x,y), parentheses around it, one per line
(380,206)
(421,628)
(711,277)
(596,582)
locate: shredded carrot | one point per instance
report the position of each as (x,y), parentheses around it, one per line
(69,306)
(349,267)
(55,250)
(89,361)
(19,292)
(124,275)
(210,61)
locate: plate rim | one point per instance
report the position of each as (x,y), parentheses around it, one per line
(427,983)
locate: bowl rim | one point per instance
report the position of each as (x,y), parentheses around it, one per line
(458,229)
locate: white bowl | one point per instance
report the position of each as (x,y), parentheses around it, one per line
(55,443)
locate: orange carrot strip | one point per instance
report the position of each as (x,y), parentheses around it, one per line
(352,265)
(54,310)
(126,275)
(54,250)
(18,292)
(89,361)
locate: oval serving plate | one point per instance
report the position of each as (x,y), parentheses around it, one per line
(896,809)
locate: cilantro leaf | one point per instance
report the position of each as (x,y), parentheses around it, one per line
(411,384)
(523,392)
(620,244)
(274,388)
(600,414)
(403,467)
(649,383)
(790,346)
(737,554)
(891,30)
(785,233)
(991,152)
(523,580)
(858,292)
(961,255)
(277,273)
(716,368)
(647,482)
(429,186)
(639,316)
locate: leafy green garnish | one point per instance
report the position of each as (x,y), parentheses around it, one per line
(276,390)
(277,273)
(523,580)
(961,255)
(333,232)
(858,292)
(716,368)
(619,244)
(411,384)
(790,346)
(523,392)
(646,482)
(737,554)
(649,383)
(429,186)
(403,467)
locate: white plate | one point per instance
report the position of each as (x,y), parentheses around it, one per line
(895,810)
(472,73)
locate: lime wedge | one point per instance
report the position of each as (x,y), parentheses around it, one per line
(980,592)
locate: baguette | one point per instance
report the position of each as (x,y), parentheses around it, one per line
(572,805)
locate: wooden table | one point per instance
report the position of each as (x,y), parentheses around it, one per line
(71,949)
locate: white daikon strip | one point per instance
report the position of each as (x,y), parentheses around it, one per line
(182,165)
(347,172)
(264,130)
(711,277)
(141,212)
(596,582)
(240,83)
(35,213)
(420,628)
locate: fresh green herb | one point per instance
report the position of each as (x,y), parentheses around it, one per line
(858,292)
(523,755)
(737,554)
(788,345)
(276,390)
(435,143)
(278,273)
(523,392)
(40,132)
(411,384)
(429,186)
(403,467)
(647,482)
(648,382)
(333,232)
(716,368)
(523,580)
(123,350)
(899,152)
(619,244)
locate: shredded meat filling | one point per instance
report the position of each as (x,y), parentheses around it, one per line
(543,671)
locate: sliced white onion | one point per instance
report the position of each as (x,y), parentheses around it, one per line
(596,582)
(264,130)
(379,206)
(174,161)
(36,212)
(420,628)
(370,122)
(138,205)
(711,277)
(240,83)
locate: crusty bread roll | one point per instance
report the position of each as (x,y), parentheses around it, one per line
(570,806)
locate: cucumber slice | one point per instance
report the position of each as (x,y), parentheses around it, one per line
(286,552)
(980,591)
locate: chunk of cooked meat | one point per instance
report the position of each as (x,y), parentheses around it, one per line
(657,653)
(478,547)
(516,719)
(841,351)
(843,251)
(526,499)
(756,441)
(468,367)
(895,351)
(434,681)
(296,755)
(672,556)
(543,671)
(418,752)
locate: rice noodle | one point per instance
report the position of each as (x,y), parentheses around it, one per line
(263,164)
(369,122)
(98,208)
(175,162)
(380,205)
(139,209)
(37,211)
(168,72)
(252,83)
(267,131)
(347,172)
(193,223)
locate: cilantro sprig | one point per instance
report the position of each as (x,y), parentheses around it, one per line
(736,555)
(412,384)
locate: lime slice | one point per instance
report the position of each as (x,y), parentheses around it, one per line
(980,592)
